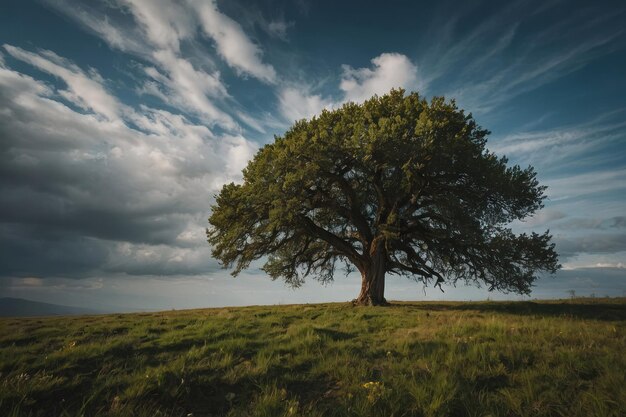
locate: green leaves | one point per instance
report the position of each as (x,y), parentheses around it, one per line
(413,174)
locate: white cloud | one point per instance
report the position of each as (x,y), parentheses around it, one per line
(232,43)
(296,103)
(16,85)
(95,20)
(619,265)
(594,223)
(616,260)
(541,218)
(238,152)
(278,29)
(390,70)
(84,90)
(32,282)
(166,23)
(585,184)
(252,122)
(111,34)
(142,259)
(189,88)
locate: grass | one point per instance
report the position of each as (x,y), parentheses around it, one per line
(561,358)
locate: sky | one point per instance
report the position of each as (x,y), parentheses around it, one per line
(121,119)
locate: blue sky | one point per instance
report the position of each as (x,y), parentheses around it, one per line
(120,119)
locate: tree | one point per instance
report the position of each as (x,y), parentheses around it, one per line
(395,185)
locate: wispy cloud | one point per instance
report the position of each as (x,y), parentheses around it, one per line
(596,243)
(232,43)
(107,20)
(593,223)
(188,88)
(597,265)
(279,28)
(482,73)
(159,30)
(569,146)
(164,22)
(542,218)
(579,185)
(85,90)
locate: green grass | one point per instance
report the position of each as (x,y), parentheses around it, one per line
(561,358)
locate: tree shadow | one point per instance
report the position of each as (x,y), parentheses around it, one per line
(215,396)
(604,311)
(334,335)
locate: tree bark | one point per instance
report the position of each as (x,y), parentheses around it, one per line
(373,278)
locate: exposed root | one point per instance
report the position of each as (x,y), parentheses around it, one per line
(369,301)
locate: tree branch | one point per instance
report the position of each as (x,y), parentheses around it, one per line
(355,214)
(335,241)
(414,259)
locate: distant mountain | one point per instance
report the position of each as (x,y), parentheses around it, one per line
(18,307)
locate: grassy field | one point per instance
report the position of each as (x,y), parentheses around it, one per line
(561,358)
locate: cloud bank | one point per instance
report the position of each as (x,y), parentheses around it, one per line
(86,192)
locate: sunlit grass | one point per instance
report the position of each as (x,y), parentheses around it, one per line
(563,358)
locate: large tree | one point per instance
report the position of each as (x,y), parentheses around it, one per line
(395,185)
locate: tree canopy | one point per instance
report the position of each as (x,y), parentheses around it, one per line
(395,185)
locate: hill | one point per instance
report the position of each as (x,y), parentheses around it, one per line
(409,359)
(19,307)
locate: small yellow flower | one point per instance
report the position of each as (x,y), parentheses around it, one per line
(375,390)
(293,408)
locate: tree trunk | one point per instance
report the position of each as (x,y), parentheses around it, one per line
(373,279)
